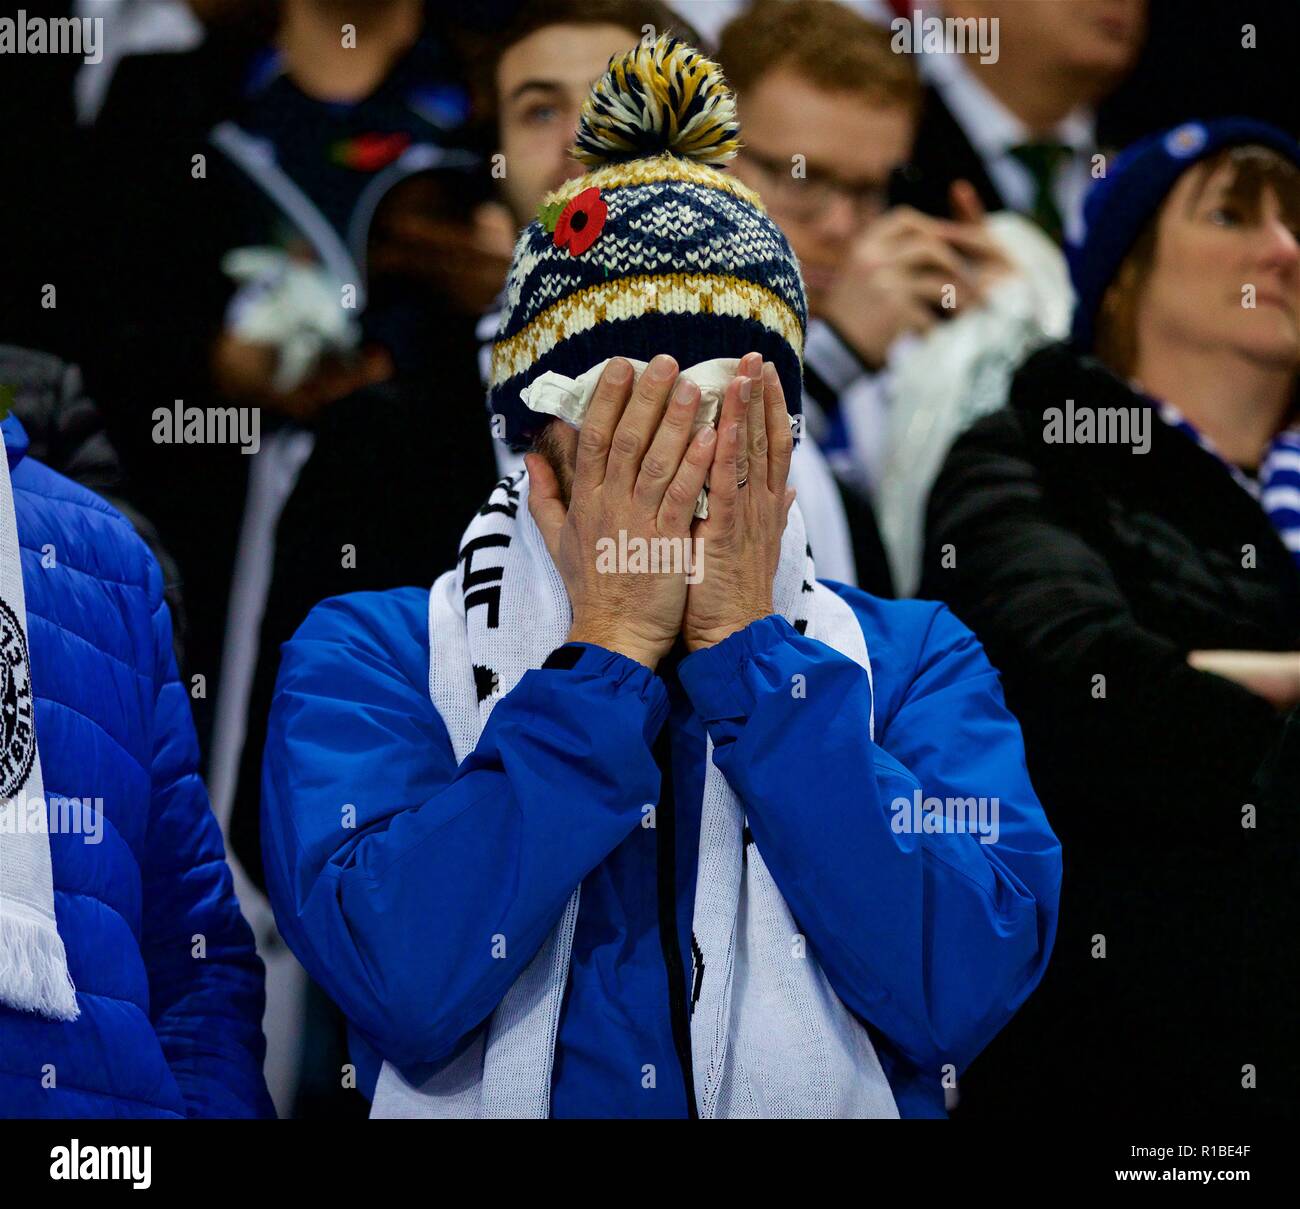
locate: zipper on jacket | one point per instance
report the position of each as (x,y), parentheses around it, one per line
(666,877)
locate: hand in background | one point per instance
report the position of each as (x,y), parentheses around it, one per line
(1273,675)
(465,261)
(908,270)
(243,372)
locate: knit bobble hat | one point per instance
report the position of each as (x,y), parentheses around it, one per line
(657,249)
(1122,202)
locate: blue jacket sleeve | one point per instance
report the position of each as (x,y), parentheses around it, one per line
(415,890)
(206,982)
(934,939)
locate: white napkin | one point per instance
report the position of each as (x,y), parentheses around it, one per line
(553,394)
(294,306)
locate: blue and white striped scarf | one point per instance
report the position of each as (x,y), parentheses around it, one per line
(1278,486)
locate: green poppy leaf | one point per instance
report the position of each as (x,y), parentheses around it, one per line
(550,215)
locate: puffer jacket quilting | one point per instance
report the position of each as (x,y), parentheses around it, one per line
(168,983)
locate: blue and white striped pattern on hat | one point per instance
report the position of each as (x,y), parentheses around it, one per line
(655,250)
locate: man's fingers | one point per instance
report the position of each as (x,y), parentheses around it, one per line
(970,237)
(927,252)
(917,317)
(964,200)
(744,389)
(544,500)
(599,424)
(899,221)
(667,447)
(639,422)
(730,457)
(751,365)
(937,290)
(780,440)
(679,499)
(976,243)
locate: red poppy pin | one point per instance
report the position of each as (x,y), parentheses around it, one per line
(369,152)
(580,223)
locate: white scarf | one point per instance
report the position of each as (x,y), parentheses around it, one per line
(33,964)
(769,1038)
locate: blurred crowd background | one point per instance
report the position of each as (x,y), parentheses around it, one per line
(178,219)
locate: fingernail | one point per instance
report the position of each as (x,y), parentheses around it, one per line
(685,392)
(663,366)
(707,435)
(755,366)
(769,372)
(746,385)
(619,371)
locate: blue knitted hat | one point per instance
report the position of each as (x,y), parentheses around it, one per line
(656,250)
(1120,205)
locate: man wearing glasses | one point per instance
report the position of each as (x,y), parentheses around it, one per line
(830,113)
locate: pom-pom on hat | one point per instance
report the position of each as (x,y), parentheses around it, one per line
(655,250)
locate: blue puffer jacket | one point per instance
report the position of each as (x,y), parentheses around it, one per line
(933,938)
(162,1033)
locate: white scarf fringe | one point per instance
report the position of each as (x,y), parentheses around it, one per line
(33,963)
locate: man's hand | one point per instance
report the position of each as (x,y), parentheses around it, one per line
(741,539)
(463,261)
(637,472)
(897,276)
(243,373)
(1273,675)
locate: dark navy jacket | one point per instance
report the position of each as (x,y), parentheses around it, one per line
(932,939)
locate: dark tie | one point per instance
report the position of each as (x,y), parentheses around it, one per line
(1041,160)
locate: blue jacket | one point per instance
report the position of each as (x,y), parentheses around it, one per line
(933,940)
(162,1032)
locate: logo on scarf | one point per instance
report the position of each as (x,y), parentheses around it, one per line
(17,730)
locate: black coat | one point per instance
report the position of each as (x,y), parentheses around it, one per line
(395,474)
(65,430)
(1076,562)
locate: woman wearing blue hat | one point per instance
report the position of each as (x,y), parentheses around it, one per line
(1124,537)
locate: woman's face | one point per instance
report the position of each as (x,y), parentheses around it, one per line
(1226,272)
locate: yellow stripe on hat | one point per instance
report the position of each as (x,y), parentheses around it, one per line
(633,297)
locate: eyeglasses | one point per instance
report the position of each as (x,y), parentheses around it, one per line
(806,195)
